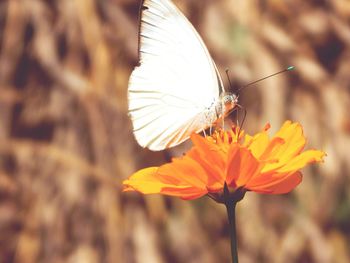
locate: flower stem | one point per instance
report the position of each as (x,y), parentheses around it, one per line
(231,214)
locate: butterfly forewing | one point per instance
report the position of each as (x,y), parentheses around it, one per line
(176,82)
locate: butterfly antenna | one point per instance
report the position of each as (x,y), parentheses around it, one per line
(228,77)
(269,76)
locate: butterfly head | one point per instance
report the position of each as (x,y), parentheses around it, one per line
(229,101)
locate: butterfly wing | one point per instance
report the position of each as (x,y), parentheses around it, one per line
(172,91)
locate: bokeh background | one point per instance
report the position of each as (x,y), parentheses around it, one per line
(66,141)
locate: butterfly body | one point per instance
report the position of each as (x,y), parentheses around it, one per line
(227,102)
(175,90)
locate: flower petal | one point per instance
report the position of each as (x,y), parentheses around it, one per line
(292,134)
(145,181)
(301,160)
(257,144)
(210,157)
(271,148)
(188,193)
(184,171)
(282,185)
(242,165)
(150,181)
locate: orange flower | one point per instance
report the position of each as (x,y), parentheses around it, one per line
(224,161)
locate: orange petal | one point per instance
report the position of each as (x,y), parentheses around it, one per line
(210,157)
(300,161)
(144,181)
(270,150)
(188,193)
(193,196)
(208,147)
(292,134)
(146,173)
(295,140)
(283,185)
(258,144)
(149,181)
(215,174)
(242,165)
(184,171)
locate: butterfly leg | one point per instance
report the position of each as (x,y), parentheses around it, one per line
(229,112)
(223,119)
(240,125)
(204,133)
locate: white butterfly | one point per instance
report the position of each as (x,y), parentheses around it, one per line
(176,88)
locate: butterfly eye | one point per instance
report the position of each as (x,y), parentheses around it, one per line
(228,99)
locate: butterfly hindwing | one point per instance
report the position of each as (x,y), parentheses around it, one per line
(176,81)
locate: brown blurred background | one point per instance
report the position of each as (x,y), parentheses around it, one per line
(66,141)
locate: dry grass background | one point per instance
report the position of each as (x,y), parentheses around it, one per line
(66,141)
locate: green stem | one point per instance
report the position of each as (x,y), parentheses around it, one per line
(231,214)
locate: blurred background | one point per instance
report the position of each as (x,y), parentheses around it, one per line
(66,141)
